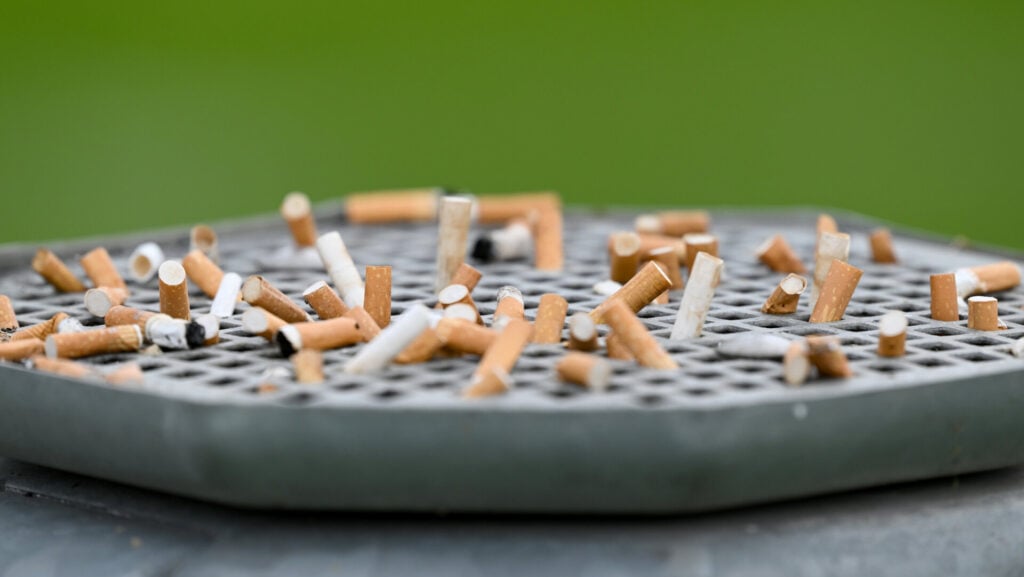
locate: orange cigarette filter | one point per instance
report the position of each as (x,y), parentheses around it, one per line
(616,348)
(624,256)
(881,246)
(666,259)
(119,339)
(785,298)
(377,301)
(98,301)
(126,374)
(8,320)
(63,367)
(547,240)
(421,349)
(298,213)
(262,323)
(204,239)
(309,366)
(651,242)
(21,349)
(122,315)
(510,304)
(41,330)
(944,297)
(203,271)
(174,291)
(457,294)
(463,337)
(493,382)
(320,335)
(100,269)
(892,334)
(674,222)
(258,292)
(497,208)
(983,314)
(584,370)
(796,364)
(416,204)
(836,292)
(699,242)
(550,319)
(993,278)
(582,333)
(368,328)
(777,255)
(826,224)
(466,276)
(51,268)
(505,350)
(643,288)
(324,301)
(636,338)
(826,354)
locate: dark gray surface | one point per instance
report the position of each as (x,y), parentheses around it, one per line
(59,524)
(718,432)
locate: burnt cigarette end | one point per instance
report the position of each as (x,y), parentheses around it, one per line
(284,344)
(483,249)
(195,335)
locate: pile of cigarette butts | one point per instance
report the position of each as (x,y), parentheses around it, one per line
(668,253)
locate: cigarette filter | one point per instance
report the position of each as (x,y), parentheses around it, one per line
(796,364)
(674,223)
(892,334)
(464,312)
(666,259)
(617,349)
(368,328)
(513,242)
(20,350)
(990,278)
(697,243)
(693,309)
(204,272)
(377,300)
(466,276)
(510,306)
(465,337)
(101,270)
(785,298)
(94,342)
(64,367)
(606,288)
(125,374)
(204,239)
(944,297)
(391,341)
(421,349)
(258,321)
(457,294)
(309,366)
(452,234)
(418,204)
(495,208)
(494,382)
(144,260)
(505,350)
(174,334)
(340,268)
(319,335)
(298,213)
(210,323)
(624,256)
(777,255)
(836,292)
(582,333)
(51,268)
(650,242)
(173,290)
(634,335)
(584,370)
(44,329)
(258,292)
(99,301)
(122,315)
(881,246)
(322,299)
(983,314)
(549,253)
(831,247)
(826,354)
(643,288)
(8,320)
(550,319)
(224,301)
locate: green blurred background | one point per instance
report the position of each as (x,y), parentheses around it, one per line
(116,117)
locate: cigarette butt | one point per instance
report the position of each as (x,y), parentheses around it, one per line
(696,302)
(421,349)
(697,243)
(662,299)
(785,298)
(643,288)
(391,341)
(99,301)
(457,294)
(584,370)
(549,251)
(8,320)
(466,276)
(547,328)
(515,241)
(826,224)
(465,337)
(634,335)
(48,327)
(494,382)
(368,328)
(122,315)
(881,246)
(1017,348)
(983,314)
(319,335)
(298,213)
(617,349)
(173,291)
(836,292)
(944,298)
(176,334)
(777,255)
(665,257)
(452,235)
(624,256)
(100,269)
(341,268)
(510,306)
(51,268)
(582,333)
(606,288)
(505,350)
(650,242)
(203,272)
(831,247)
(892,334)
(258,292)
(204,239)
(674,222)
(20,350)
(228,295)
(144,260)
(117,339)
(826,354)
(63,367)
(419,204)
(503,208)
(986,279)
(462,311)
(322,299)
(126,374)
(309,366)
(796,364)
(210,324)
(261,322)
(377,301)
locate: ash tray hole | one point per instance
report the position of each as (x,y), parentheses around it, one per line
(725,329)
(937,347)
(854,341)
(771,323)
(745,386)
(542,353)
(223,381)
(932,362)
(388,394)
(347,387)
(697,392)
(434,385)
(803,331)
(200,356)
(186,374)
(564,393)
(862,313)
(660,381)
(706,375)
(907,307)
(741,302)
(751,368)
(614,388)
(233,364)
(732,315)
(650,400)
(92,321)
(857,327)
(978,357)
(298,399)
(887,368)
(943,331)
(109,359)
(982,341)
(856,357)
(244,348)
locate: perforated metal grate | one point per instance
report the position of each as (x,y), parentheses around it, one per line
(233,371)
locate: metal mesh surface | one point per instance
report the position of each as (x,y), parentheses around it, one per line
(232,371)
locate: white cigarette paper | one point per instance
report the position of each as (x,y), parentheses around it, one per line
(376,354)
(607,288)
(223,305)
(144,260)
(831,246)
(1017,348)
(755,346)
(452,235)
(342,270)
(693,309)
